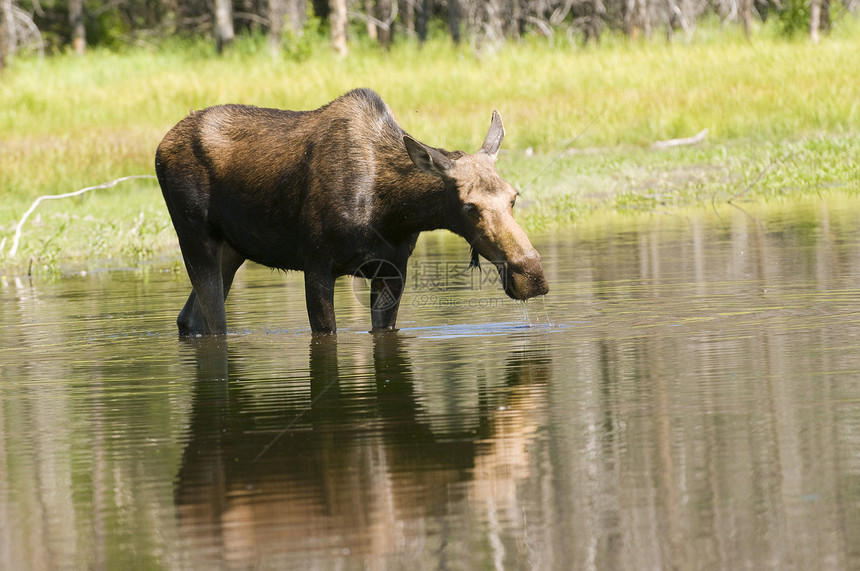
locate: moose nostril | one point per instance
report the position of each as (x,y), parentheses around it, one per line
(529,264)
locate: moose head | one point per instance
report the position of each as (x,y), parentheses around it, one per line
(479,207)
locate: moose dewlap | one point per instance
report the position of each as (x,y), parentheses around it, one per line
(328,192)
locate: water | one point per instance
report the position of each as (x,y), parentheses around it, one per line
(687,396)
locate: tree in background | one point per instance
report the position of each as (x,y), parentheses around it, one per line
(18,34)
(76,23)
(277,10)
(224,32)
(485,23)
(338,22)
(5,13)
(802,17)
(3,45)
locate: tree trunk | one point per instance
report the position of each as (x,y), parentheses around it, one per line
(322,9)
(276,25)
(223,24)
(814,20)
(493,25)
(594,22)
(645,18)
(370,24)
(516,23)
(628,26)
(383,13)
(454,20)
(746,16)
(421,20)
(824,22)
(4,43)
(409,17)
(76,21)
(337,18)
(297,10)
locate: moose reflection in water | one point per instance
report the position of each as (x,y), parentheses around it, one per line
(695,407)
(359,471)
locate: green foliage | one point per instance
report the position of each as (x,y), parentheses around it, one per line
(793,18)
(300,47)
(633,181)
(782,118)
(632,201)
(108,29)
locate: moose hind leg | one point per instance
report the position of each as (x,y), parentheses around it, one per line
(204,311)
(209,291)
(191,320)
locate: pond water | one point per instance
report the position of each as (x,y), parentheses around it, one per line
(687,396)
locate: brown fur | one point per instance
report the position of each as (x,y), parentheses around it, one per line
(326,191)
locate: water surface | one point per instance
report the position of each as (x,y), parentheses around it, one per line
(687,396)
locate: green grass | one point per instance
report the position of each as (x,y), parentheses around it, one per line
(783,119)
(632,181)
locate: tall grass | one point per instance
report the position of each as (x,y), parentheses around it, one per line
(103,114)
(67,122)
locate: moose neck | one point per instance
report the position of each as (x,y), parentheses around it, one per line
(416,202)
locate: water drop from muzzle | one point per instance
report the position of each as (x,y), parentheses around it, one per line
(546,311)
(526,316)
(534,319)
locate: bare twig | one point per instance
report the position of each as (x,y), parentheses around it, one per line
(386,25)
(15,242)
(263,21)
(695,139)
(543,26)
(104,8)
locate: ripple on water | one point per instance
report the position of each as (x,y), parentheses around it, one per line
(686,396)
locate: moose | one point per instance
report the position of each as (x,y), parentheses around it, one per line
(340,190)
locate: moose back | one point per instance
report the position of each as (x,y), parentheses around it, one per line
(335,191)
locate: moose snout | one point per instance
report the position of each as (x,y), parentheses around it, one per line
(524,278)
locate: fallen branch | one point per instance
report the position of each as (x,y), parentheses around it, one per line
(15,242)
(695,139)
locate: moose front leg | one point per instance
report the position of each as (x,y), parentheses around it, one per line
(319,298)
(385,294)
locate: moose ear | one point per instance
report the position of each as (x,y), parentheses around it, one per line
(427,159)
(493,142)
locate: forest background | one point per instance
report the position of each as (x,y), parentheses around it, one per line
(77,23)
(611,106)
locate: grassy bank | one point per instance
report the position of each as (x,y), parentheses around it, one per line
(782,116)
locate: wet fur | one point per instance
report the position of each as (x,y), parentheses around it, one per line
(320,191)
